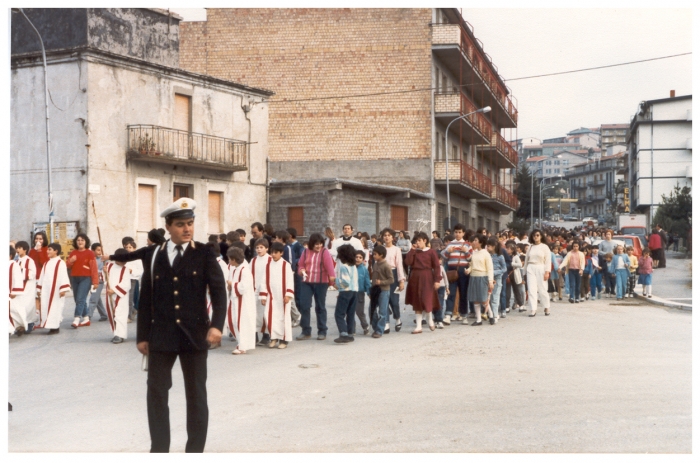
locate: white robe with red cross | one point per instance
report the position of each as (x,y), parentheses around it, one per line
(52,282)
(241,314)
(118,303)
(18,314)
(257,268)
(28,297)
(280,283)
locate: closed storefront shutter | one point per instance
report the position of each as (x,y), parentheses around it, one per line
(295,219)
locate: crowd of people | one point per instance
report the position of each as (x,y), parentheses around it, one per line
(272,280)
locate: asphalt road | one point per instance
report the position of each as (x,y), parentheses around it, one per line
(593,377)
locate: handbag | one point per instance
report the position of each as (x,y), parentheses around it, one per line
(452,275)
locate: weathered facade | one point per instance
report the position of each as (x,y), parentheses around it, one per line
(363,96)
(130,130)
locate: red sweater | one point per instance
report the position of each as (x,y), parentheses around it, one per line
(40,258)
(84,266)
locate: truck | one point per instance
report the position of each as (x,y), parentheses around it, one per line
(632,224)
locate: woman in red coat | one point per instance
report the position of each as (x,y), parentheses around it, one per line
(655,245)
(423,282)
(39,254)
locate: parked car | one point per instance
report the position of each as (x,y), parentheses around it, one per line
(631,240)
(588,220)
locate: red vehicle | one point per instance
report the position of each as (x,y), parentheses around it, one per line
(631,240)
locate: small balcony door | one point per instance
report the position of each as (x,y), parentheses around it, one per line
(182,121)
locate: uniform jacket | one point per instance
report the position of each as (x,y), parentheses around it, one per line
(173,304)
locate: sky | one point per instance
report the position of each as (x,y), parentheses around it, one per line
(528,42)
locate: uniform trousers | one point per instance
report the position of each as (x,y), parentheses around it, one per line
(535,285)
(194,371)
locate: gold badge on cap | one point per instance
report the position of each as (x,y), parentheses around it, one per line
(183,205)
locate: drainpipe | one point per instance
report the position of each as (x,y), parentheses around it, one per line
(432,202)
(651,207)
(246,109)
(48,138)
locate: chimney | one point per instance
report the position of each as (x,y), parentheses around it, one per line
(673,93)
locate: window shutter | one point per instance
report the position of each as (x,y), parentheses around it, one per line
(295,219)
(399,218)
(214,212)
(146,200)
(182,113)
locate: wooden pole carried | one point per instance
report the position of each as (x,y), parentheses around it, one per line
(110,305)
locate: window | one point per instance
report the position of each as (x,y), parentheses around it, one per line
(146,204)
(437,147)
(557,162)
(441,216)
(454,152)
(465,218)
(181,191)
(295,219)
(556,171)
(549,171)
(565,162)
(183,113)
(215,215)
(366,217)
(548,163)
(455,216)
(399,217)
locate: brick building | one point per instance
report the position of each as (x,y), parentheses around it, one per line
(362,100)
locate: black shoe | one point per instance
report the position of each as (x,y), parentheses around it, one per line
(54,331)
(398,326)
(117,340)
(351,338)
(532,315)
(343,339)
(303,337)
(102,319)
(387,331)
(477,323)
(571,300)
(20,331)
(376,335)
(491,321)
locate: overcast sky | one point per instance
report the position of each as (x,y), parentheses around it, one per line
(527,42)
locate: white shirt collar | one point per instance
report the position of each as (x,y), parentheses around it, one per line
(171,247)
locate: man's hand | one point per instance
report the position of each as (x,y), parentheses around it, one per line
(143,347)
(73,259)
(546,276)
(62,293)
(378,282)
(436,286)
(93,288)
(37,246)
(402,285)
(287,299)
(213,336)
(580,272)
(12,296)
(230,286)
(263,301)
(109,292)
(104,258)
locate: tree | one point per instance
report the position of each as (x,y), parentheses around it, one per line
(523,179)
(675,212)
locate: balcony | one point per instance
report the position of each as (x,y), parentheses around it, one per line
(458,52)
(169,146)
(474,129)
(579,187)
(501,199)
(507,156)
(465,180)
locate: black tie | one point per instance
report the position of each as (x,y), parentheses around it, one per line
(178,256)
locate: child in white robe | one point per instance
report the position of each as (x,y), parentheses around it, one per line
(18,316)
(258,266)
(118,288)
(241,313)
(277,298)
(52,286)
(28,297)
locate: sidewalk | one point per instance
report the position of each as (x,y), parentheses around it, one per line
(672,286)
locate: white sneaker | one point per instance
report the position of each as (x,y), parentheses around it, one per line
(76,322)
(465,321)
(439,325)
(447,319)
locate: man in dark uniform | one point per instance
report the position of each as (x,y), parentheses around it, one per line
(173,322)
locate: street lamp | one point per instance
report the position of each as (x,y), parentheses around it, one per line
(447,164)
(548,178)
(532,196)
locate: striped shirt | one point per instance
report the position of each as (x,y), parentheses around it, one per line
(318,266)
(454,254)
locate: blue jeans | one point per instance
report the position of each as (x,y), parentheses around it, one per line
(463,283)
(596,283)
(96,302)
(620,282)
(381,315)
(80,287)
(345,312)
(496,296)
(574,284)
(504,294)
(609,282)
(394,297)
(318,291)
(439,315)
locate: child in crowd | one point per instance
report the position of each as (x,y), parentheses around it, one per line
(458,253)
(645,269)
(554,280)
(258,266)
(493,246)
(241,314)
(363,286)
(51,288)
(620,265)
(481,280)
(96,296)
(347,283)
(297,249)
(276,297)
(382,279)
(394,259)
(284,237)
(29,274)
(118,292)
(516,277)
(423,282)
(586,277)
(18,312)
(135,269)
(634,263)
(573,264)
(596,273)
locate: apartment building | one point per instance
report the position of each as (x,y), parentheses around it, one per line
(130,130)
(358,124)
(660,150)
(613,134)
(593,184)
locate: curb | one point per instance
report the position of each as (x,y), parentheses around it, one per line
(665,303)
